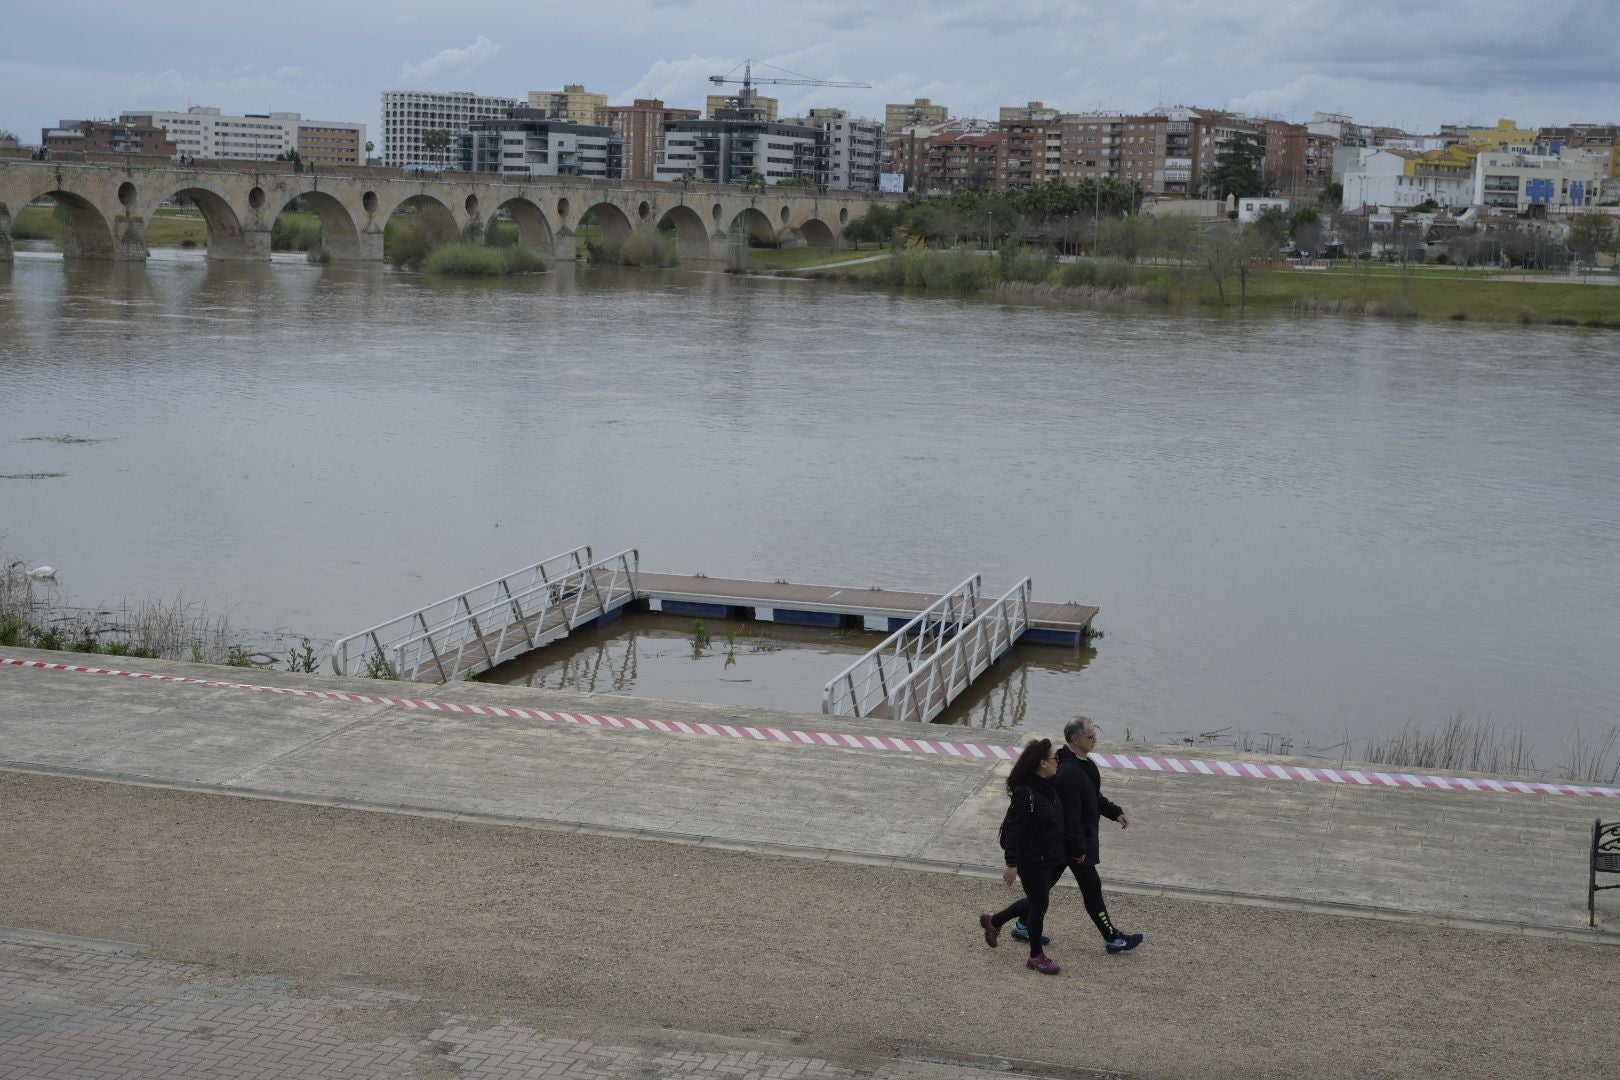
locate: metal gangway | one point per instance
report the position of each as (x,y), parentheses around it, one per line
(925,664)
(491,623)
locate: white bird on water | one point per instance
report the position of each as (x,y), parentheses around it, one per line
(43,573)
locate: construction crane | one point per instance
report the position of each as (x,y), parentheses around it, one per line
(745,99)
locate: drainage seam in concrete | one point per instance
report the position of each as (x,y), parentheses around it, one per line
(815,854)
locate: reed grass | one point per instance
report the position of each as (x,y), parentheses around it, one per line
(1458,744)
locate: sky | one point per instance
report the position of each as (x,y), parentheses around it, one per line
(1413,64)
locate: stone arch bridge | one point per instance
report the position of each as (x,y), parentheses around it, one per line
(108,204)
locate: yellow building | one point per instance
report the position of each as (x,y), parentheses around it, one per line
(1506,135)
(767,105)
(573,103)
(920,112)
(1034,112)
(1451,162)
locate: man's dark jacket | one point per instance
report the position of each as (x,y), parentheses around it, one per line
(1079,786)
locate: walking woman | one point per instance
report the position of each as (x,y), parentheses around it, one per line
(1032,841)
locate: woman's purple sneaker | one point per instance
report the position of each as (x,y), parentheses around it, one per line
(992,932)
(1042,964)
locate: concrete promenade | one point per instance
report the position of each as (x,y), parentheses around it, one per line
(1505,862)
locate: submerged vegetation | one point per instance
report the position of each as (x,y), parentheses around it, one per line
(490,251)
(33,616)
(645,246)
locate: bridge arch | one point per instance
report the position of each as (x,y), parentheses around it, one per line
(432,214)
(755,227)
(612,220)
(691,235)
(340,235)
(534,229)
(224,225)
(817,233)
(87,233)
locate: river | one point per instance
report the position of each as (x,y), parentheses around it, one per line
(1315,526)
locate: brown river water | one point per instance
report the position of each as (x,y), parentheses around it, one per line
(1313,527)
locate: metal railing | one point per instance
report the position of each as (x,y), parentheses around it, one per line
(863,687)
(926,692)
(493,622)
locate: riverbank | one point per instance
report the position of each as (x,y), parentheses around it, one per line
(1433,293)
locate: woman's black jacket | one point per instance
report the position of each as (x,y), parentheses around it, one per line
(1032,831)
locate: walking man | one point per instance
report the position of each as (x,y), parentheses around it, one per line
(1079,787)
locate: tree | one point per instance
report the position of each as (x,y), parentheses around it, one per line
(1125,237)
(755,181)
(370,146)
(436,141)
(1237,169)
(1306,229)
(1332,196)
(1590,234)
(1272,226)
(1218,256)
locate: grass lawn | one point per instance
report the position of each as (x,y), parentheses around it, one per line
(1436,295)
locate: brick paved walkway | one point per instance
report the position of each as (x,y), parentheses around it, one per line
(81,1010)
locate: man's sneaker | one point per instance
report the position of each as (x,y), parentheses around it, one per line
(1040,963)
(992,932)
(1020,932)
(1124,943)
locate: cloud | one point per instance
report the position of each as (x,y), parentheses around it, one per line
(450,62)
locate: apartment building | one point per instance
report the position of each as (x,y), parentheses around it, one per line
(1401,179)
(529,142)
(731,147)
(765,107)
(205,132)
(641,127)
(1032,146)
(1299,163)
(1533,184)
(1595,141)
(848,151)
(573,102)
(119,136)
(407,114)
(920,112)
(962,159)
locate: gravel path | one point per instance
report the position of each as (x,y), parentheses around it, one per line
(852,962)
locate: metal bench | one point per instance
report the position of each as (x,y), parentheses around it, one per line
(1605,860)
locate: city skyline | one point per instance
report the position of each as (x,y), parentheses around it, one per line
(1450,63)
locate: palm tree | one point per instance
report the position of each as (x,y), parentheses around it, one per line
(436,141)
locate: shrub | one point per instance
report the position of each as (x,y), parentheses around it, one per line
(1080,272)
(295,234)
(408,246)
(1114,273)
(468,259)
(1017,264)
(1160,291)
(478,260)
(647,246)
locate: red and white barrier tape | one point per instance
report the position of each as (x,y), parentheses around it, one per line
(845,740)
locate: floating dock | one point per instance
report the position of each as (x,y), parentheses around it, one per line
(937,644)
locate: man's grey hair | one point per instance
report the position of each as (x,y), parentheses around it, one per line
(1075,728)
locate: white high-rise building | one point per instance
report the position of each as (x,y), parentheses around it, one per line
(408,114)
(848,151)
(203,132)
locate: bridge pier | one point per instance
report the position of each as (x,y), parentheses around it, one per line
(6,251)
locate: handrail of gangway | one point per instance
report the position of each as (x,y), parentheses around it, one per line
(864,685)
(376,640)
(505,626)
(925,692)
